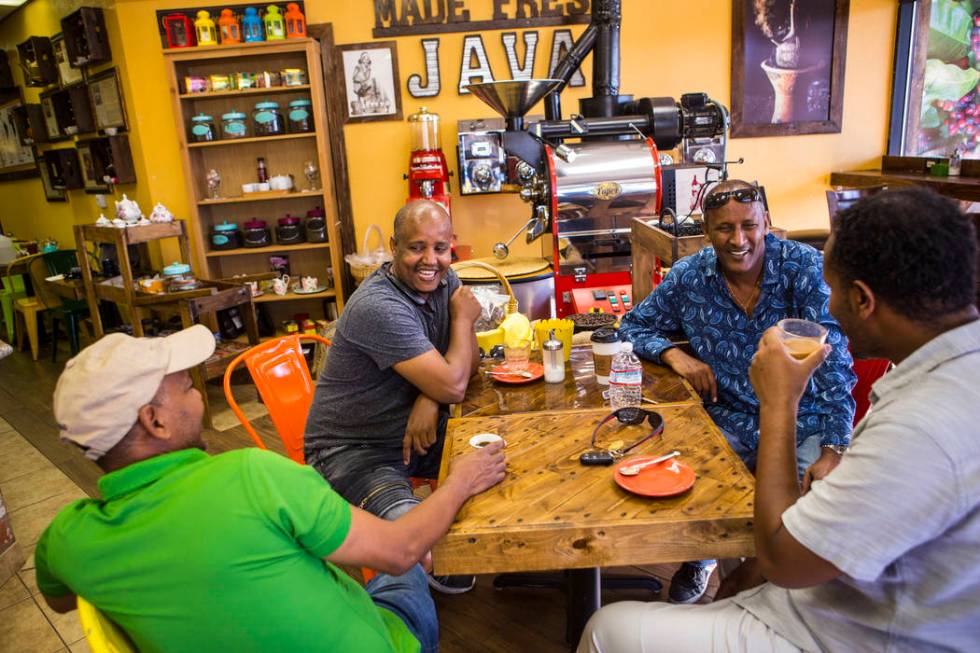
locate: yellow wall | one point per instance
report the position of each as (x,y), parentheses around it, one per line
(668,48)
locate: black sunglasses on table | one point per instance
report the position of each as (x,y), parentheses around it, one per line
(741,195)
(630,417)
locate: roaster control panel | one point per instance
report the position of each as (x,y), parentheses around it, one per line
(614,299)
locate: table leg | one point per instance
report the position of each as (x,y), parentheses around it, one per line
(584,586)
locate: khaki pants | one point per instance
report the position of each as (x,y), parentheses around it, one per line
(637,627)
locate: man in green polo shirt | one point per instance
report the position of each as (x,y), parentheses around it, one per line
(233,552)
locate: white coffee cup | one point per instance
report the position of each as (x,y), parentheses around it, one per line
(280,286)
(309,284)
(248,188)
(481,440)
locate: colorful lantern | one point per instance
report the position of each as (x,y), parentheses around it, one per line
(179,31)
(252,26)
(231,31)
(275,28)
(295,22)
(204,28)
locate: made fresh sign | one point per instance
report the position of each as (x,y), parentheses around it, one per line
(403,17)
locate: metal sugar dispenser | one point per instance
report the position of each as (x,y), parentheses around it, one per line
(553,359)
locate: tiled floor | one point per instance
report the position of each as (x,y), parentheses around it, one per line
(33,490)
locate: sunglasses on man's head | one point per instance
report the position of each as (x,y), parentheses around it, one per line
(741,195)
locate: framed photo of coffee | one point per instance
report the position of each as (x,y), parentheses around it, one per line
(66,72)
(107,101)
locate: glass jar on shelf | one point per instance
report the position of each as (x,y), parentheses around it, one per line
(256,234)
(234,125)
(202,128)
(300,116)
(179,278)
(267,120)
(290,231)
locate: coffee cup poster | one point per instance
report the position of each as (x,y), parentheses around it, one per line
(788,66)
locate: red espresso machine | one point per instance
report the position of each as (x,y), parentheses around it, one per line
(428,174)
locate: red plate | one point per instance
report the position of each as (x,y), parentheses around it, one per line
(536,370)
(661,480)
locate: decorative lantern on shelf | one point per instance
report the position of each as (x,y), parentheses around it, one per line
(204,28)
(275,28)
(295,22)
(231,31)
(179,31)
(252,26)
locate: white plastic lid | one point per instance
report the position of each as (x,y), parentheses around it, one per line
(626,347)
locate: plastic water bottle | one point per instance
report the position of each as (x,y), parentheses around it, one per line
(625,379)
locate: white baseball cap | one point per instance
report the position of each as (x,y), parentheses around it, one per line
(100,392)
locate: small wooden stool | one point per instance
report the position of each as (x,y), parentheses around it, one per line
(27,309)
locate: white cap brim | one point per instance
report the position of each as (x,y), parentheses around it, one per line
(189,347)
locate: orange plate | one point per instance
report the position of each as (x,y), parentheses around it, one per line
(536,370)
(661,480)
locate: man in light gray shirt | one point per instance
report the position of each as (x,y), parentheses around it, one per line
(883,554)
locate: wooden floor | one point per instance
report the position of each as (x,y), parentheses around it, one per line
(484,619)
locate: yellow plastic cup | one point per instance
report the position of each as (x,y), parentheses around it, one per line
(564,329)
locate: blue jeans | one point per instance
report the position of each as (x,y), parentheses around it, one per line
(408,597)
(807,453)
(373,477)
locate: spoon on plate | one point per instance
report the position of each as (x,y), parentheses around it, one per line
(522,373)
(633,470)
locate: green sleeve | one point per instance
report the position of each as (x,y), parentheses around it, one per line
(46,581)
(298,501)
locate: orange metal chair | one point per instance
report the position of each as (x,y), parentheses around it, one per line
(283,379)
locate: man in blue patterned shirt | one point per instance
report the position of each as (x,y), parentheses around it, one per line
(723,299)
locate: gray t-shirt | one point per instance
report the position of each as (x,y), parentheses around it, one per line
(359,397)
(899,517)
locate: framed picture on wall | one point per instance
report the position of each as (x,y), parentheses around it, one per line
(51,193)
(66,73)
(90,173)
(107,101)
(372,89)
(936,82)
(51,117)
(788,67)
(16,159)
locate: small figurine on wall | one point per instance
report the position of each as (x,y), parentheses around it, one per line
(252,26)
(275,28)
(231,31)
(204,28)
(295,22)
(179,30)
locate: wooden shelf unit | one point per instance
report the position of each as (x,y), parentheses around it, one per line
(246,92)
(236,160)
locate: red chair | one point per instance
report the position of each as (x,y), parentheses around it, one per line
(282,377)
(868,370)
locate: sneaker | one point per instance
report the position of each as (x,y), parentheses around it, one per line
(451,584)
(690,582)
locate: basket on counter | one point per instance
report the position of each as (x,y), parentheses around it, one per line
(363,263)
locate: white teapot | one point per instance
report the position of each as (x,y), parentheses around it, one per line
(160,213)
(128,210)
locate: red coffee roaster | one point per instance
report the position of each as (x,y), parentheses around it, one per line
(428,174)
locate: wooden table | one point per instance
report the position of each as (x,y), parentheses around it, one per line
(550,512)
(484,396)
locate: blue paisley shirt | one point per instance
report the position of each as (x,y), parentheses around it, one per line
(694,299)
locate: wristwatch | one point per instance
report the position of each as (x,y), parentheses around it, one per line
(838,449)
